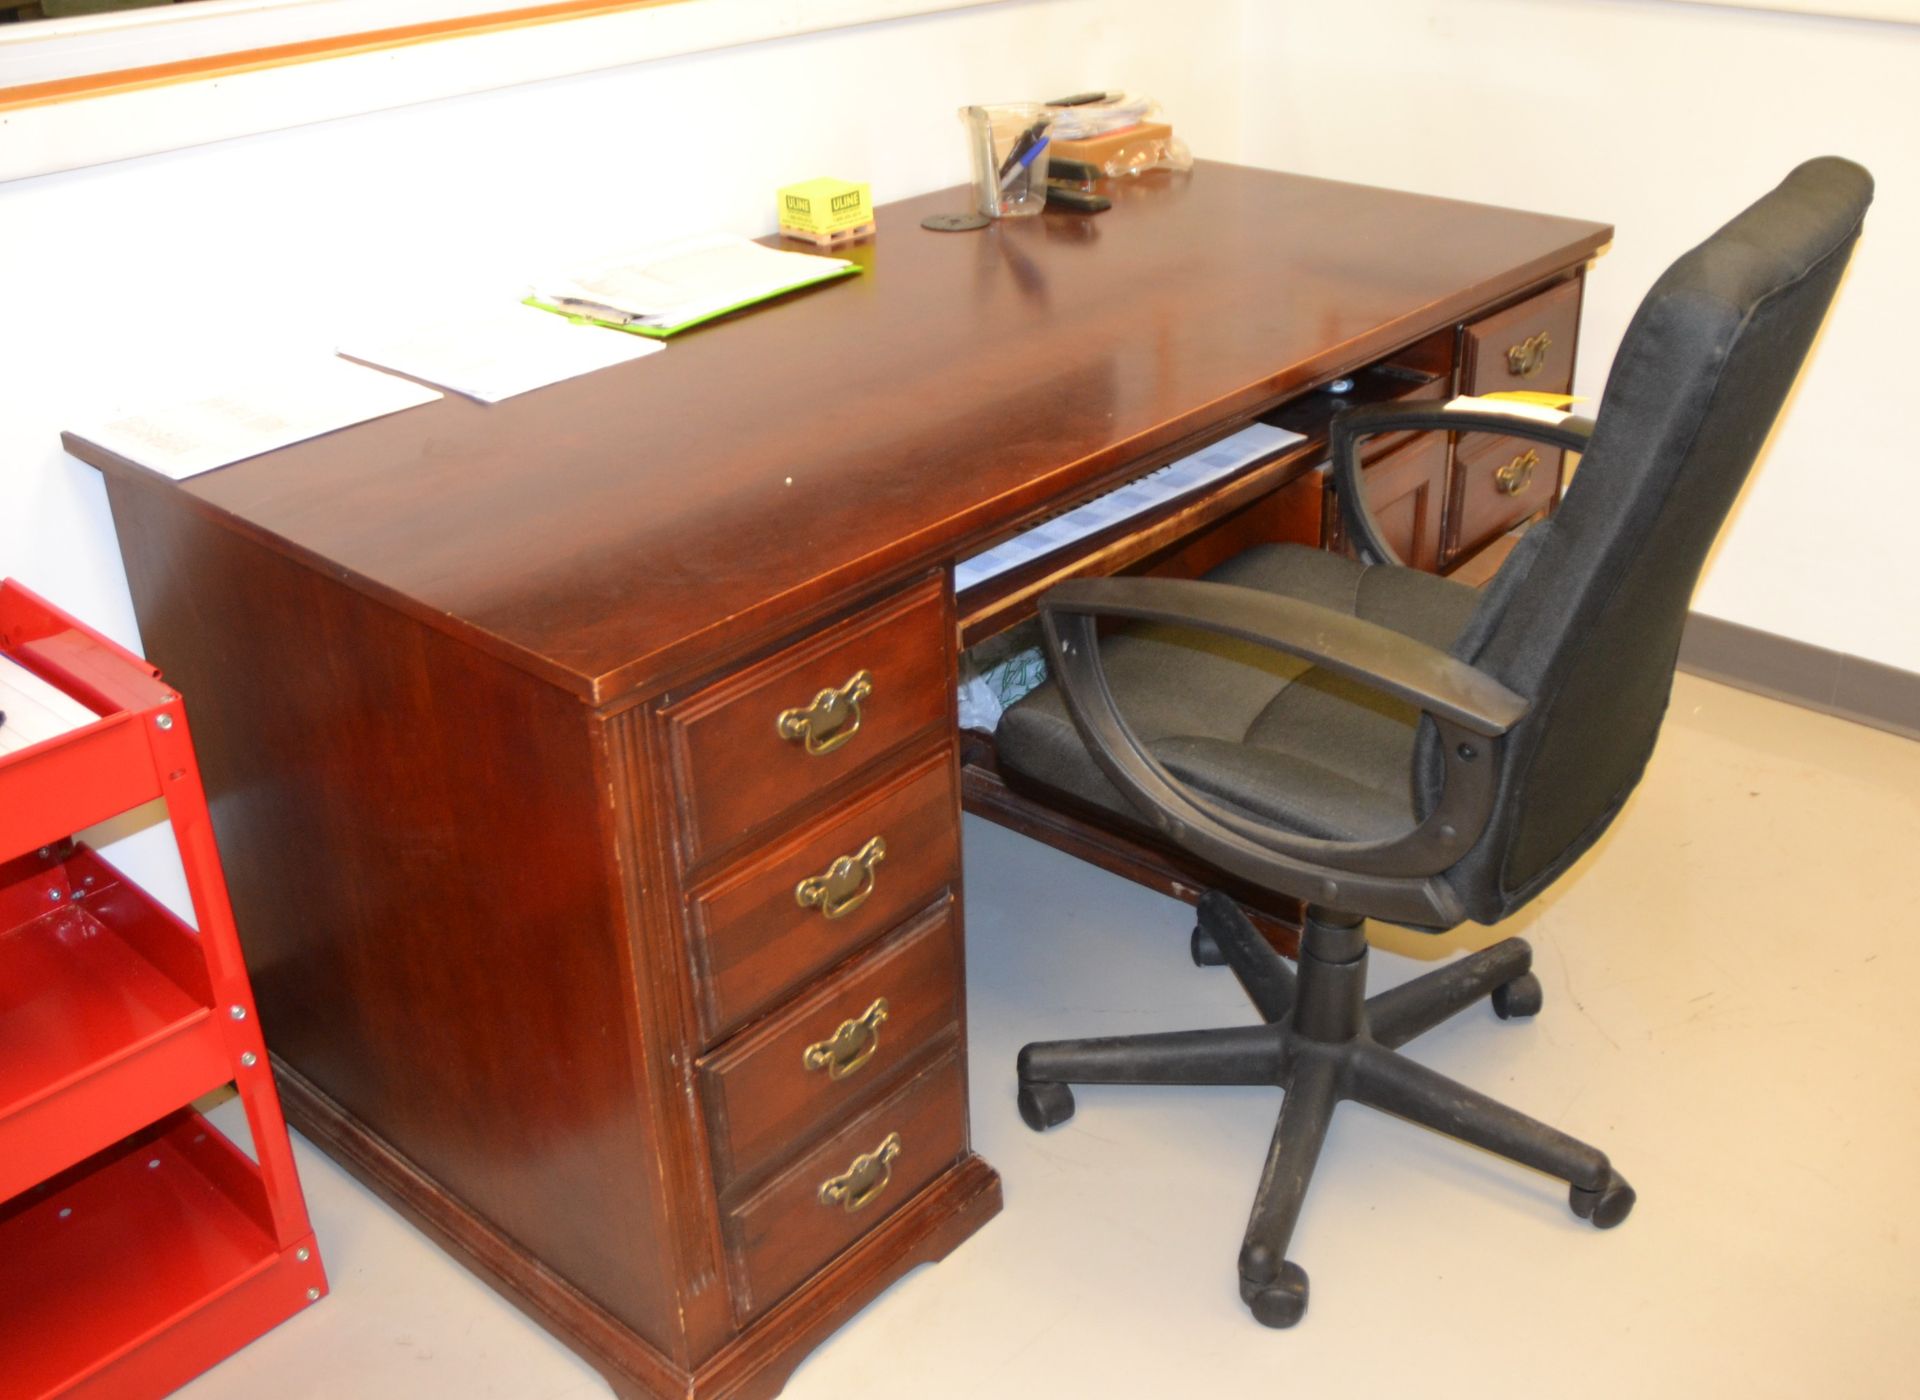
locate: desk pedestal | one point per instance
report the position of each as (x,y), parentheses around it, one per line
(651,1013)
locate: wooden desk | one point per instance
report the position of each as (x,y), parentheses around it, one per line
(486,699)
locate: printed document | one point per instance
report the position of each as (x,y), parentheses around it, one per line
(499,353)
(303,400)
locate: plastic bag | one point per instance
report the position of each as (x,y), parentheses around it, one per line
(995,674)
(1103,124)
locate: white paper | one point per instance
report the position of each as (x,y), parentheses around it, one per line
(501,352)
(1210,464)
(1513,408)
(301,401)
(35,710)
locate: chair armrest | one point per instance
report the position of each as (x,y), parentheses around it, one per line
(1402,666)
(1389,878)
(1348,427)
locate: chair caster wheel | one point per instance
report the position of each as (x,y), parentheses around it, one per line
(1520,997)
(1277,1297)
(1044,1106)
(1206,953)
(1606,1207)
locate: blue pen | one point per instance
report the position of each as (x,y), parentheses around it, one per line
(1022,145)
(1024,164)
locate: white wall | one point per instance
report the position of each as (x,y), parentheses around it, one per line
(1662,119)
(165,272)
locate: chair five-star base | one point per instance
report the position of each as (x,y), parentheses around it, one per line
(1322,1039)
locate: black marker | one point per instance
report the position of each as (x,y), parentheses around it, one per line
(1026,142)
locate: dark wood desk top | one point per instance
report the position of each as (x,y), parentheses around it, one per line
(620,531)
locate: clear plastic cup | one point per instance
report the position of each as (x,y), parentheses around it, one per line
(1009,147)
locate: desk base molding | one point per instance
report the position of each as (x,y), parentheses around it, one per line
(755,1365)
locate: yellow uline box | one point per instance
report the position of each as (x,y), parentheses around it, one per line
(825,206)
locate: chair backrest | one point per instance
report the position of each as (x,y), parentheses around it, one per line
(1585,618)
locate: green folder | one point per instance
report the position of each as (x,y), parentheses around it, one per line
(662,332)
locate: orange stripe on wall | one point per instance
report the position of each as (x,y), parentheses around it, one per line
(188,70)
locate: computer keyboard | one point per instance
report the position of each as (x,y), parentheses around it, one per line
(1220,459)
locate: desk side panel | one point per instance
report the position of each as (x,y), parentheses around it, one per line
(415,840)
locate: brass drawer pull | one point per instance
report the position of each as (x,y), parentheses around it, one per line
(832,718)
(861,1184)
(849,1047)
(1512,477)
(845,885)
(1529,357)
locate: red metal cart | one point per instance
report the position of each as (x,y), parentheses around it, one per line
(138,1246)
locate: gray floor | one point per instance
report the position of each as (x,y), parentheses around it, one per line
(1731,983)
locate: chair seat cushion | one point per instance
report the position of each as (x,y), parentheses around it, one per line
(1276,737)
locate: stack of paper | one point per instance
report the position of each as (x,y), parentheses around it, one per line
(671,286)
(33,711)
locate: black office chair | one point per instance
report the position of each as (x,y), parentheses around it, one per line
(1382,743)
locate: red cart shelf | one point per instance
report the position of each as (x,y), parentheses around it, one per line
(137,1246)
(93,1030)
(136,1273)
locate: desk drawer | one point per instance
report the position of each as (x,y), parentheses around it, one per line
(756,745)
(1497,483)
(779,1084)
(1527,346)
(1406,489)
(801,1219)
(755,941)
